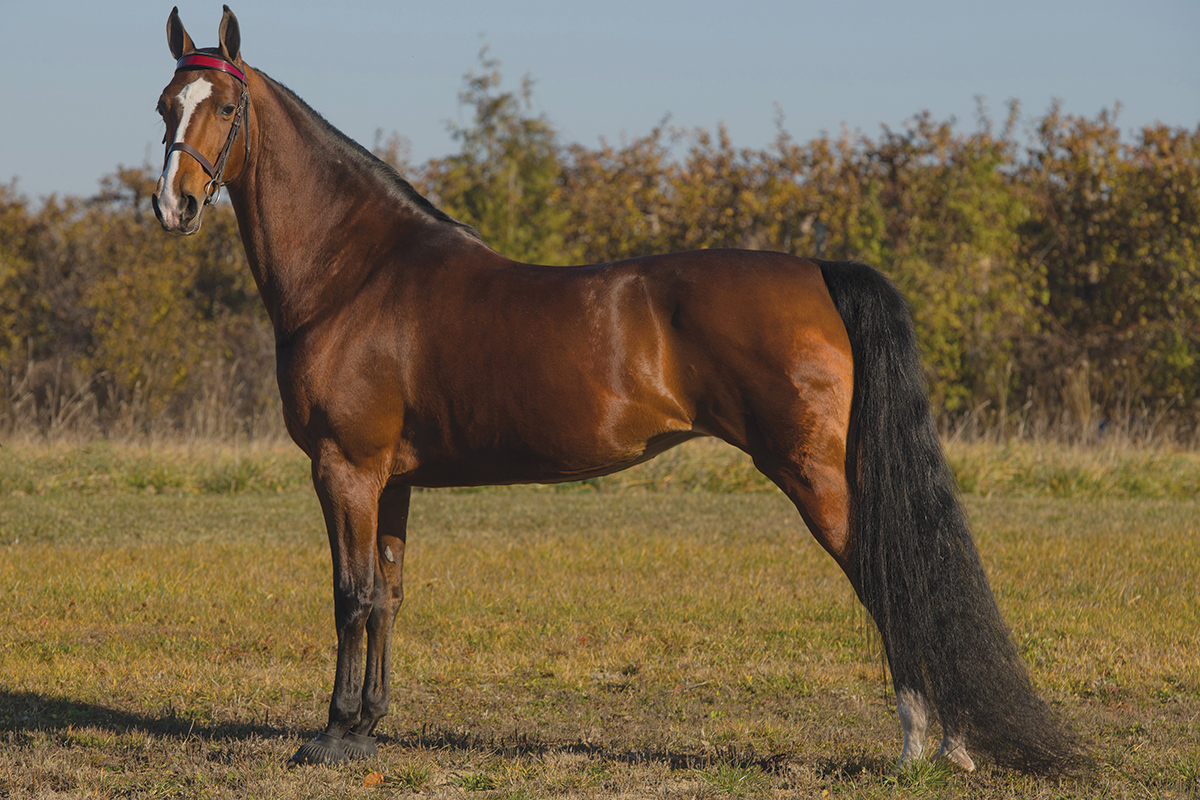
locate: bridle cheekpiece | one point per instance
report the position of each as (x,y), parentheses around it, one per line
(199,61)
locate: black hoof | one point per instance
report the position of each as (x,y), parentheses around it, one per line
(324,749)
(358,746)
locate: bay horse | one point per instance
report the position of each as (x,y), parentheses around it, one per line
(409,353)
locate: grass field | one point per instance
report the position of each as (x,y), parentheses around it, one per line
(166,631)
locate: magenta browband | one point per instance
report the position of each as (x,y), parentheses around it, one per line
(200,61)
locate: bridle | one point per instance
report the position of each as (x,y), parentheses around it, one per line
(198,61)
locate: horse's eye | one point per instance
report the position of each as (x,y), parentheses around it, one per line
(162,108)
(228,110)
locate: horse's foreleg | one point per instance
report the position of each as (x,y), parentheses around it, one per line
(350,502)
(389,593)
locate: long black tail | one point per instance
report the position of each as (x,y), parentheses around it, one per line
(917,569)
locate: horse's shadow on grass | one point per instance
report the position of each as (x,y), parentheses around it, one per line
(27,712)
(849,767)
(518,744)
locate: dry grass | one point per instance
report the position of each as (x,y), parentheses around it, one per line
(1015,469)
(166,631)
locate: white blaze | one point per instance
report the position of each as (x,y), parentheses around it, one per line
(189,98)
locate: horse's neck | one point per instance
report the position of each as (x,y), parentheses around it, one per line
(308,218)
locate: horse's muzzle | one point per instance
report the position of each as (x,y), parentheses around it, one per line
(182,217)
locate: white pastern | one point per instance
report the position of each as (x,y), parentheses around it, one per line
(189,97)
(913,710)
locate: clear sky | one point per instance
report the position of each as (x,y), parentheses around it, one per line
(79,80)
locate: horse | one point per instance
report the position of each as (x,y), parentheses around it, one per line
(409,353)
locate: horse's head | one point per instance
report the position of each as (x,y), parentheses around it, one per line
(204,108)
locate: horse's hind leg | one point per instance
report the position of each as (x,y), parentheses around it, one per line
(820,493)
(805,456)
(954,751)
(389,594)
(815,482)
(913,710)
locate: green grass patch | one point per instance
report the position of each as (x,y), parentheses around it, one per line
(734,780)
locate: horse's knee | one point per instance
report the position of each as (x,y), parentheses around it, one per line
(353,598)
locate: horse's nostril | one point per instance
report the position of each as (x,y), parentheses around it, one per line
(192,208)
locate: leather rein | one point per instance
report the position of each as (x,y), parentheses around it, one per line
(212,190)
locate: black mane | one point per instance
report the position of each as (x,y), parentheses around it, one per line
(385,174)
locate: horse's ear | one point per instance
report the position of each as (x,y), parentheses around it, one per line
(177,37)
(231,37)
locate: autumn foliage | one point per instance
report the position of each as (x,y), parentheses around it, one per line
(1053,264)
